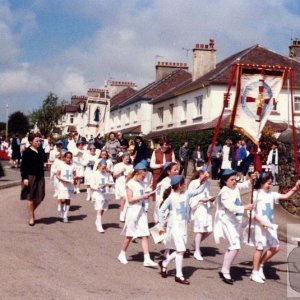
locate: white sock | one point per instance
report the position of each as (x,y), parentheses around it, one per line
(169,259)
(228,260)
(198,237)
(147,257)
(123,253)
(167,253)
(59,207)
(66,211)
(99,220)
(178,261)
(88,191)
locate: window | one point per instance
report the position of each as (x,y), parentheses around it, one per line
(171,109)
(120,116)
(199,105)
(135,113)
(184,110)
(297,103)
(227,100)
(160,112)
(71,119)
(127,115)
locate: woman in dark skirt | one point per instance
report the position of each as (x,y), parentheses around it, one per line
(32,173)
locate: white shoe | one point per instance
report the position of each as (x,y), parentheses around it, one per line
(60,214)
(261,273)
(65,220)
(122,259)
(255,277)
(99,227)
(122,216)
(150,263)
(78,191)
(198,256)
(88,199)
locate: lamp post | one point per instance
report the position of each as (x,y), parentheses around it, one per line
(6,129)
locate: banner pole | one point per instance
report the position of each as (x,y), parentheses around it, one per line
(295,147)
(216,132)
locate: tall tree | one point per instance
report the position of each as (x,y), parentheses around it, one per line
(18,123)
(47,117)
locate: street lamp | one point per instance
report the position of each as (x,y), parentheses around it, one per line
(6,129)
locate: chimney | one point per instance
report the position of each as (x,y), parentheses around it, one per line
(295,50)
(204,59)
(163,69)
(118,86)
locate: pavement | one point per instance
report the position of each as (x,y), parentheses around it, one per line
(56,260)
(12,176)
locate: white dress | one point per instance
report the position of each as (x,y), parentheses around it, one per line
(136,221)
(78,162)
(229,214)
(226,163)
(100,188)
(89,161)
(120,184)
(160,189)
(53,169)
(66,187)
(262,237)
(201,212)
(178,206)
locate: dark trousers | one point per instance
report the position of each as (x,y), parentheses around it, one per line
(183,167)
(215,167)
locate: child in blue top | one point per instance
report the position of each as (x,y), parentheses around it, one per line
(177,202)
(265,232)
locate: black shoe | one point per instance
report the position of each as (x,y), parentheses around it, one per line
(226,280)
(163,270)
(181,280)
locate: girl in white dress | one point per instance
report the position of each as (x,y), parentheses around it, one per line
(53,179)
(227,152)
(66,174)
(78,153)
(121,172)
(265,232)
(163,183)
(89,159)
(101,182)
(104,155)
(228,218)
(201,211)
(136,223)
(178,204)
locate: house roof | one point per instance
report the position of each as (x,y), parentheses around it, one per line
(69,108)
(257,55)
(122,96)
(134,130)
(157,88)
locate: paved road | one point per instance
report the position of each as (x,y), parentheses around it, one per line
(54,260)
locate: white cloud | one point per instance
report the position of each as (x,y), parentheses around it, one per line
(129,37)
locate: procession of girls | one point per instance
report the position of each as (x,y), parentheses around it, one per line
(175,206)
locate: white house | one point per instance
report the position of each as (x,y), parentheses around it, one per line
(198,104)
(131,112)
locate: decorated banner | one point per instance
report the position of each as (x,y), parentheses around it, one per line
(256,95)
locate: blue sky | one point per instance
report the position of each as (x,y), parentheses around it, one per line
(68,46)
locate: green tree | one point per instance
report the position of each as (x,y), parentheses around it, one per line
(18,123)
(47,117)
